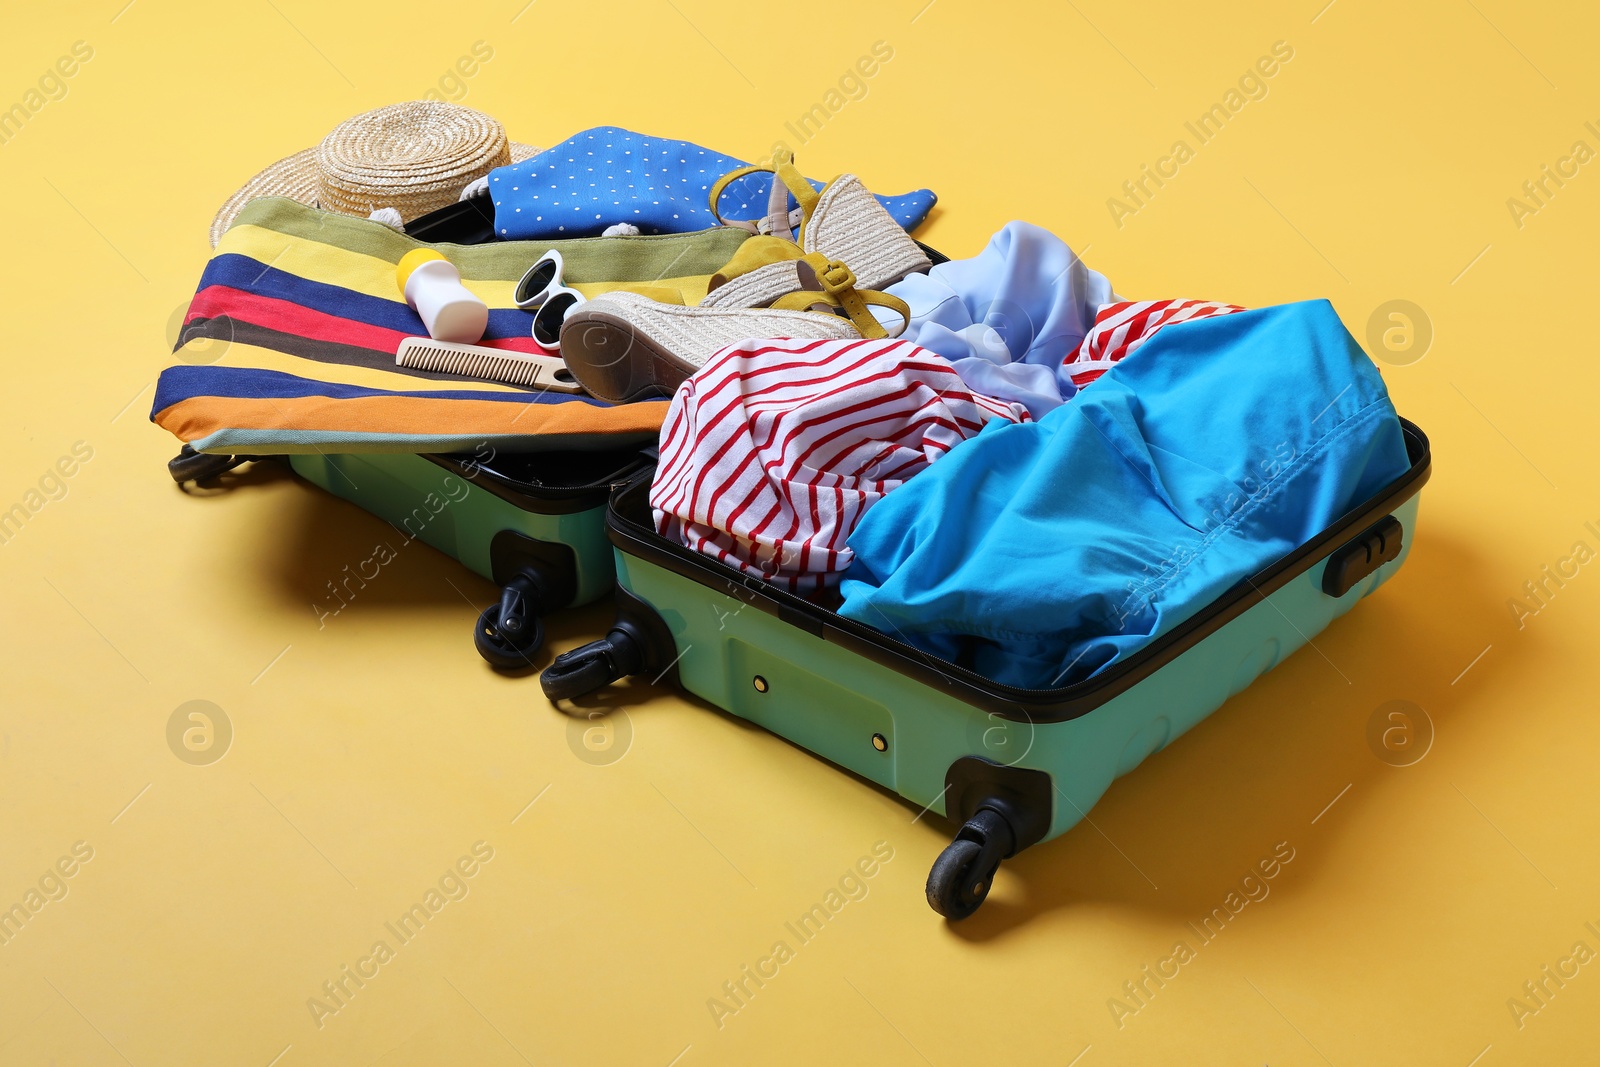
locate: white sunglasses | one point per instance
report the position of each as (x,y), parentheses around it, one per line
(541,291)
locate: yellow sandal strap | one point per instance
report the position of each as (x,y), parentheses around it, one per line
(723,182)
(785,176)
(783,166)
(839,289)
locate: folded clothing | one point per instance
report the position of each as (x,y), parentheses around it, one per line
(1025,320)
(289,344)
(1010,316)
(774,450)
(1039,554)
(608,175)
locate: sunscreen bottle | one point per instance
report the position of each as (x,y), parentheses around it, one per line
(432,286)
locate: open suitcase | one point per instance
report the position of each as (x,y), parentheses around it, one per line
(1009,767)
(532,523)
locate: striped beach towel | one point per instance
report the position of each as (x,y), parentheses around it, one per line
(289,343)
(774,450)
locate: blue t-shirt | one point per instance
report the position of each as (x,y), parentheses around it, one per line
(1042,553)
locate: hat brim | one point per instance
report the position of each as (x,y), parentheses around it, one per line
(296,178)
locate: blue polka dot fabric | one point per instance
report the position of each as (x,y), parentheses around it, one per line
(607,175)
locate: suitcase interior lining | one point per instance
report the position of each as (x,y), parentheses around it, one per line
(550,482)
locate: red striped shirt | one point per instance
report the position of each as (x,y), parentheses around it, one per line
(1119,329)
(769,460)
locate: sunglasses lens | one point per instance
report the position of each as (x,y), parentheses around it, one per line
(547,323)
(534,283)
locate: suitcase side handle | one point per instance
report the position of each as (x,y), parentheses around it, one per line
(1347,565)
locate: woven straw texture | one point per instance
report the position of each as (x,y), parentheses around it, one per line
(757,288)
(415,157)
(294,177)
(695,334)
(849,224)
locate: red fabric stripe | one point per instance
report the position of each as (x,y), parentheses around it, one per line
(736,379)
(284,316)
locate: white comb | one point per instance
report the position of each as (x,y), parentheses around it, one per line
(513,368)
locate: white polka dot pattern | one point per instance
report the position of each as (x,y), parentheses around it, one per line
(607,175)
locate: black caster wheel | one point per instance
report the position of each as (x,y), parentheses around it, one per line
(504,647)
(191,466)
(964,872)
(510,632)
(576,676)
(593,666)
(960,879)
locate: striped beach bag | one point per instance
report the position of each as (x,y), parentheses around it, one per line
(289,344)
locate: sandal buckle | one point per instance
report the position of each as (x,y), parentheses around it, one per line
(836,277)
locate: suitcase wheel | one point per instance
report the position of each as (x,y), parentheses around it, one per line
(191,466)
(964,872)
(510,632)
(593,666)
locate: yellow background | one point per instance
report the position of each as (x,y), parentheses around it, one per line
(370,754)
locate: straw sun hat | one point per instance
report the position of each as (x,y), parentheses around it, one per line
(414,157)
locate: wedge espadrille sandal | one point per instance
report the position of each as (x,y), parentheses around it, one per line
(844,222)
(622,346)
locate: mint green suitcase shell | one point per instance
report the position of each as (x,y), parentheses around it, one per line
(952,742)
(543,541)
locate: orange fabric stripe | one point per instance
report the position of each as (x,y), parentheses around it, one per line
(197,417)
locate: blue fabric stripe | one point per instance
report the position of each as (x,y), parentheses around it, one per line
(250,275)
(183,383)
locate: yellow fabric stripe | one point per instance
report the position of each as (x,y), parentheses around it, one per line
(325,263)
